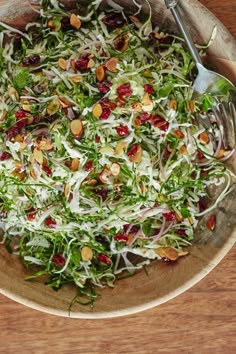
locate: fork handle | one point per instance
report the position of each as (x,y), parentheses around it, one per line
(174,8)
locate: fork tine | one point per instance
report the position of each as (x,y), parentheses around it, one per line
(226,119)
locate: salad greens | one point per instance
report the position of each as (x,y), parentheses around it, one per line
(103,165)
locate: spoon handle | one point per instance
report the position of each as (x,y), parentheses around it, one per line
(174,8)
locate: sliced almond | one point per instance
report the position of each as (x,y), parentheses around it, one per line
(76,78)
(13,94)
(76,127)
(147,103)
(75,21)
(191,106)
(137,107)
(90,182)
(173,104)
(120,148)
(204,138)
(75,164)
(137,122)
(107,150)
(45,144)
(167,252)
(111,64)
(222,153)
(178,216)
(65,103)
(38,156)
(19,138)
(136,21)
(62,63)
(178,133)
(190,219)
(53,106)
(115,169)
(121,43)
(183,150)
(86,254)
(104,175)
(97,110)
(66,190)
(91,63)
(100,73)
(137,157)
(21,175)
(3,115)
(54,25)
(183,253)
(72,64)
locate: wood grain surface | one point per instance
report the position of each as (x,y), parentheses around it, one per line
(200,321)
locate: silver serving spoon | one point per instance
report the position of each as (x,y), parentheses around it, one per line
(208,81)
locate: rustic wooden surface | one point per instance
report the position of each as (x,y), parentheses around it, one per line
(200,321)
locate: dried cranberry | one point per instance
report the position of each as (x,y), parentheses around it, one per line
(102,193)
(81,64)
(104,86)
(31,60)
(122,130)
(65,23)
(31,214)
(180,232)
(47,170)
(105,113)
(121,238)
(124,90)
(166,40)
(58,259)
(101,239)
(67,163)
(166,154)
(36,119)
(169,216)
(97,139)
(4,155)
(20,115)
(113,21)
(144,117)
(106,103)
(103,258)
(200,155)
(12,132)
(202,204)
(88,165)
(148,88)
(17,40)
(133,150)
(159,122)
(131,229)
(50,222)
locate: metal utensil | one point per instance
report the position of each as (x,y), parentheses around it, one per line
(208,81)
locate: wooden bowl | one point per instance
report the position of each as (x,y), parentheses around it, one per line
(164,281)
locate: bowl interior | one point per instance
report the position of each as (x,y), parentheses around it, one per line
(161,281)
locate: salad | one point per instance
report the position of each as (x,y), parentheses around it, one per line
(103,165)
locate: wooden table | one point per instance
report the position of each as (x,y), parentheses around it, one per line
(200,321)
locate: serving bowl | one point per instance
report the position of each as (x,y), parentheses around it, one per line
(161,281)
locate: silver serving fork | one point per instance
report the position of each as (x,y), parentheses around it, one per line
(208,81)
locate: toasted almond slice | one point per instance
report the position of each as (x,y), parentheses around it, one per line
(104,175)
(19,138)
(38,156)
(147,103)
(120,147)
(75,164)
(115,169)
(190,219)
(66,190)
(21,175)
(107,150)
(97,110)
(91,182)
(72,64)
(91,63)
(100,73)
(75,21)
(45,144)
(65,103)
(191,106)
(3,115)
(53,106)
(178,133)
(137,107)
(204,138)
(62,63)
(183,150)
(183,253)
(173,104)
(137,122)
(13,94)
(178,216)
(56,26)
(111,64)
(86,254)
(222,153)
(76,127)
(167,252)
(121,43)
(76,78)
